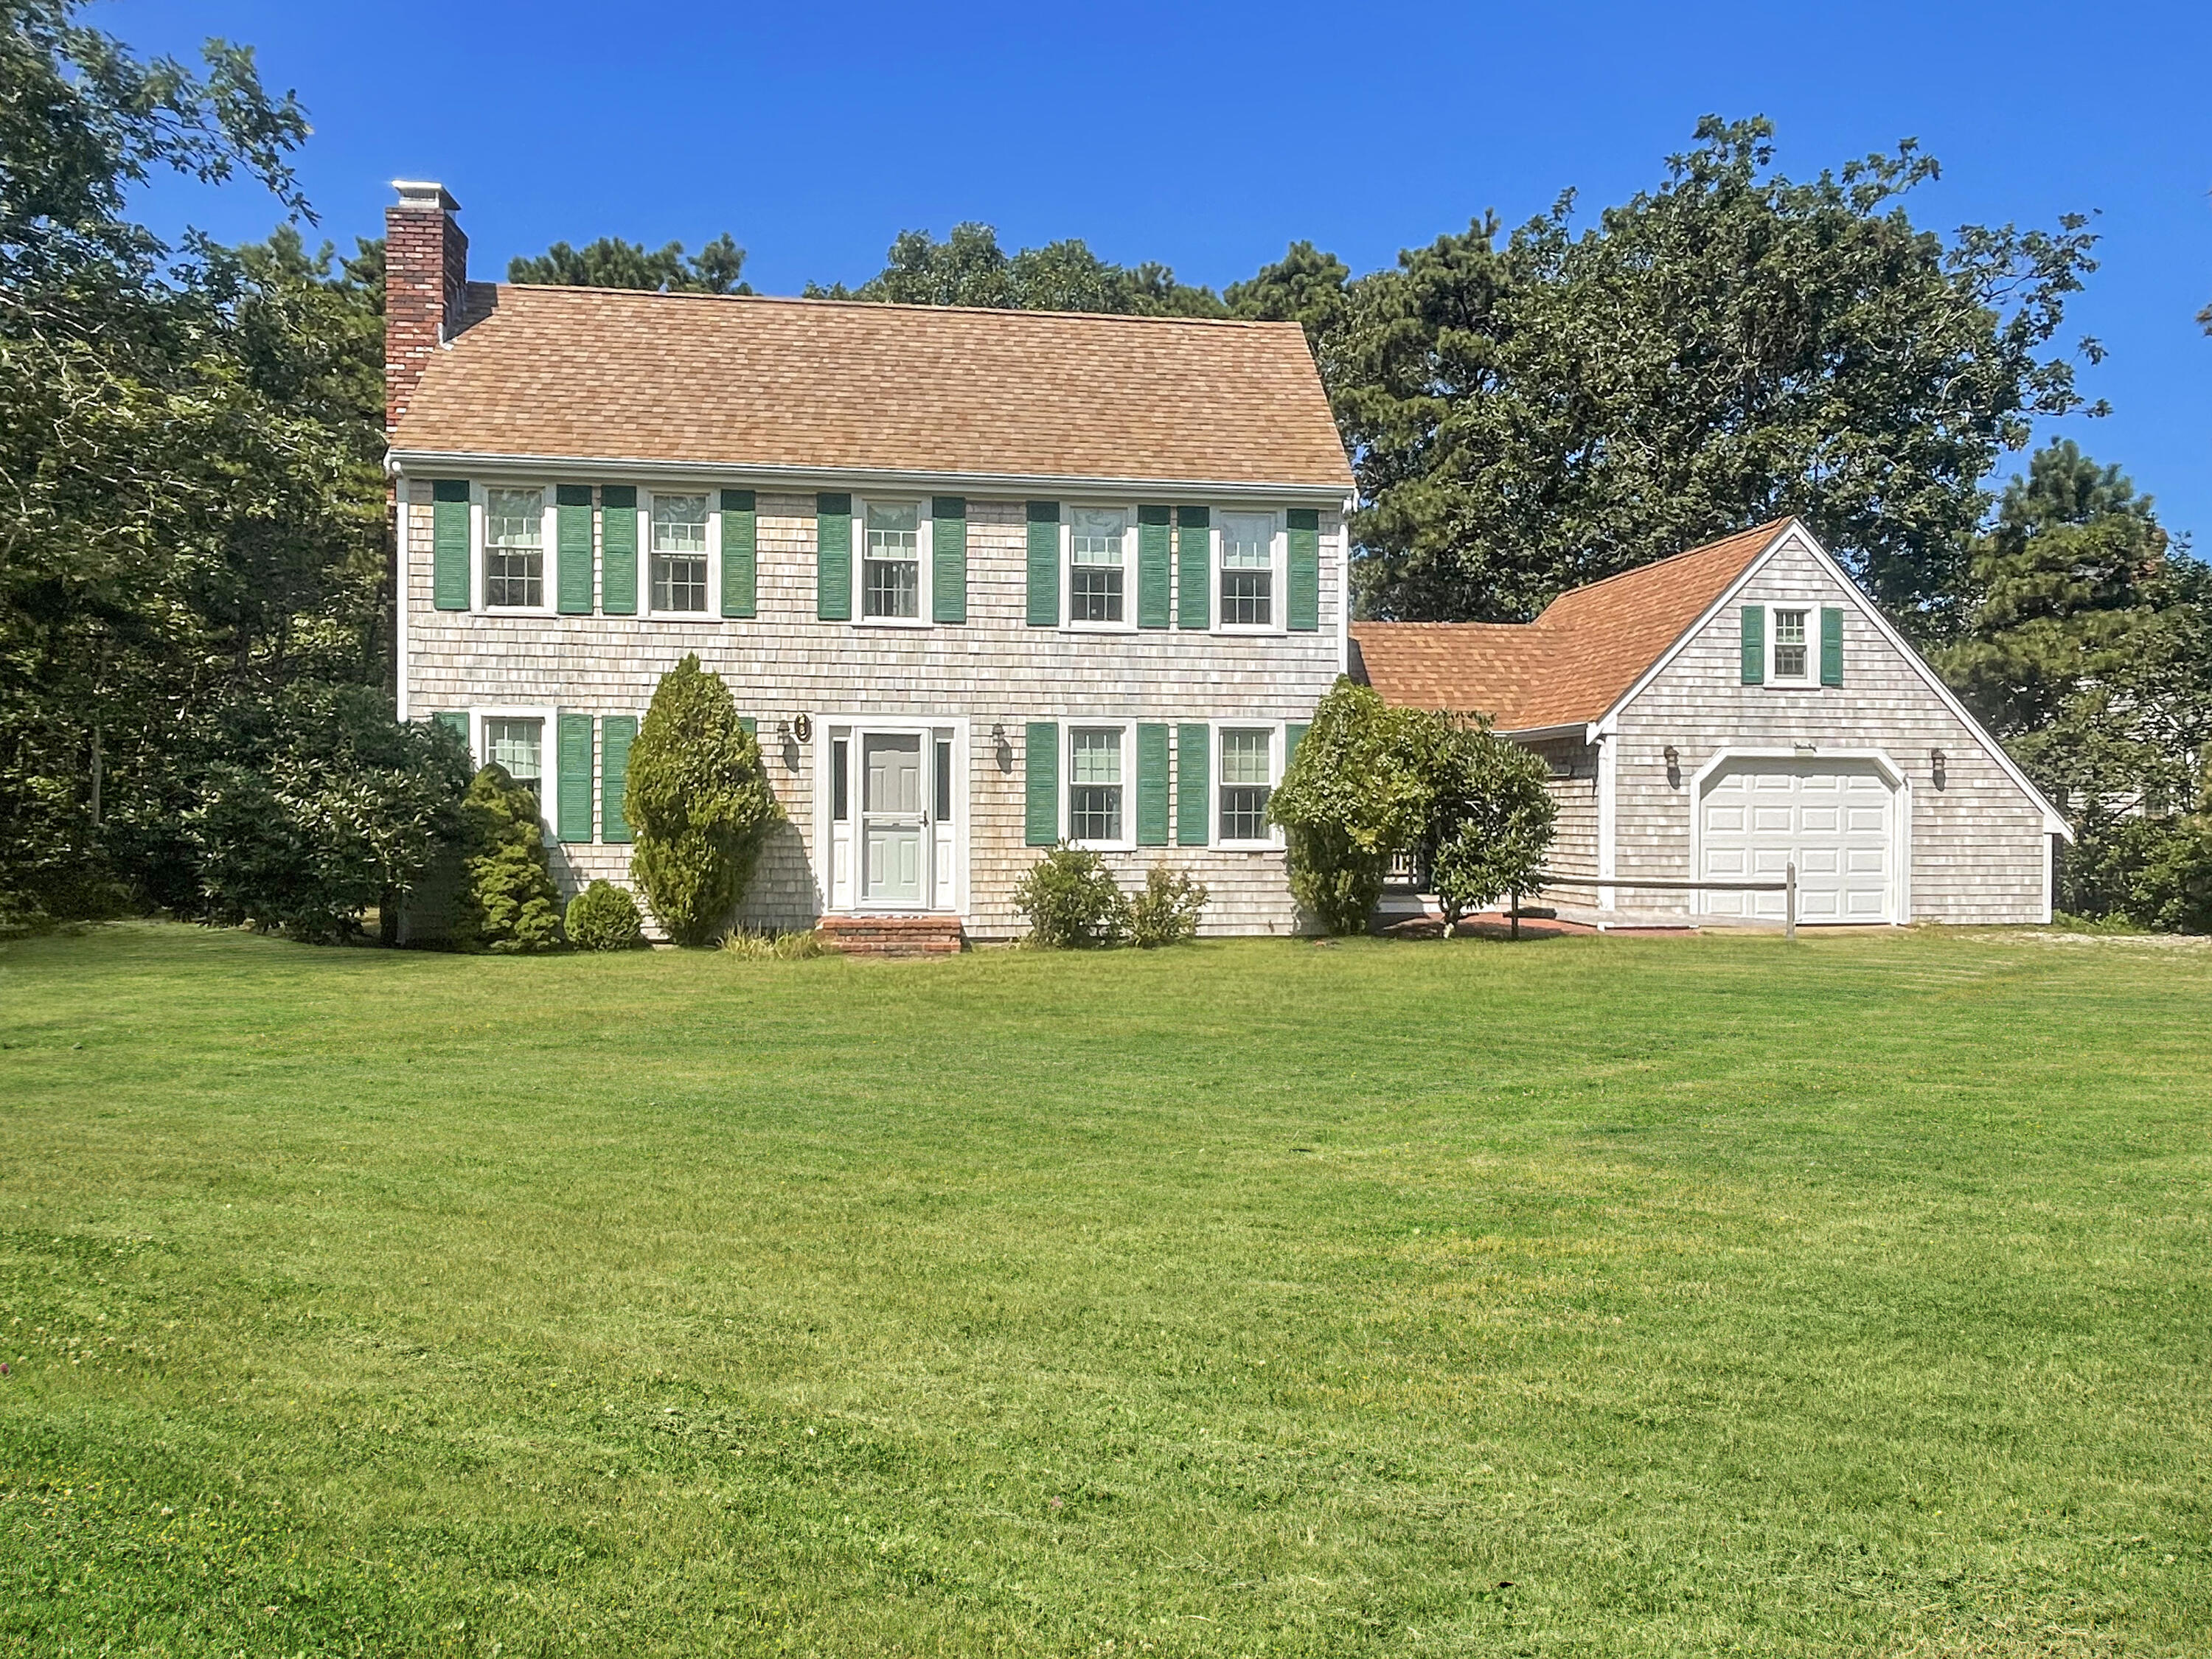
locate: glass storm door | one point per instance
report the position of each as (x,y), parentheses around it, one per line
(894,828)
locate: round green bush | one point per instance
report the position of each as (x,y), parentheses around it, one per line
(603,917)
(1072,901)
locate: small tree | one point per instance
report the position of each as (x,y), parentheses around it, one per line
(1353,795)
(698,801)
(1167,911)
(1072,901)
(509,902)
(1490,816)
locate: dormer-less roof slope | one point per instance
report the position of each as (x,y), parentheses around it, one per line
(1574,662)
(611,375)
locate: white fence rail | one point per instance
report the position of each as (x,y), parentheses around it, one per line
(1787,887)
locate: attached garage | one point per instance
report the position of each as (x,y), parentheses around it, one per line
(1837,820)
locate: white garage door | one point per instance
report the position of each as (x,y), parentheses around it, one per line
(1835,819)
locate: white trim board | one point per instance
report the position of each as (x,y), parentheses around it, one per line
(1605,724)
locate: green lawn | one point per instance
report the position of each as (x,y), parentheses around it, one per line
(1588,1296)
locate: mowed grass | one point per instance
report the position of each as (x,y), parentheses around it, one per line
(1588,1297)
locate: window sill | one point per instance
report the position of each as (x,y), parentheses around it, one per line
(1260,629)
(514,611)
(1773,684)
(1103,846)
(679,617)
(1248,847)
(1098,627)
(892,622)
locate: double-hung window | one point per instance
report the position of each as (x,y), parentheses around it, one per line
(1246,776)
(519,746)
(1792,661)
(891,562)
(1098,540)
(1248,569)
(1094,783)
(514,548)
(679,553)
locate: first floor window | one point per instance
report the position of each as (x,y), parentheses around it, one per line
(840,759)
(519,746)
(1248,569)
(1095,540)
(1790,659)
(1245,771)
(944,780)
(515,547)
(1094,783)
(679,552)
(891,561)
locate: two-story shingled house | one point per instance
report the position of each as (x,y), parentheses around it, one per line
(982,581)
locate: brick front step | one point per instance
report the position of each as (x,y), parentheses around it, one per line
(893,936)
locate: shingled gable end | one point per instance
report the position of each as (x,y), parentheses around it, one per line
(984,581)
(1727,712)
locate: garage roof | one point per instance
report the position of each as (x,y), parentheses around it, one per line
(1574,662)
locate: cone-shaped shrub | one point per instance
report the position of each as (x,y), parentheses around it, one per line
(509,902)
(699,803)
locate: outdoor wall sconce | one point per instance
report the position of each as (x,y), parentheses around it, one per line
(1002,752)
(1938,764)
(1673,758)
(802,728)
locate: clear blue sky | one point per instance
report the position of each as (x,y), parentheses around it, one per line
(1209,136)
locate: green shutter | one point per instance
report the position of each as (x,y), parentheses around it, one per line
(740,552)
(948,558)
(1194,785)
(1754,645)
(1831,645)
(572,548)
(1194,558)
(1151,785)
(449,543)
(455,720)
(618,549)
(1041,783)
(616,734)
(833,557)
(751,723)
(1304,608)
(1044,564)
(1154,556)
(573,817)
(1292,733)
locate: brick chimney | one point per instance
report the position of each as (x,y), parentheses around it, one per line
(426,282)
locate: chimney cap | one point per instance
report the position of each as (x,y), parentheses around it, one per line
(424,193)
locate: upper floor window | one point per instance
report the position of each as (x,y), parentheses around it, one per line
(679,552)
(891,564)
(514,548)
(1248,569)
(1096,573)
(1792,658)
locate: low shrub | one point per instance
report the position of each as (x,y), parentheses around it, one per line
(508,900)
(603,917)
(1072,901)
(1167,911)
(750,947)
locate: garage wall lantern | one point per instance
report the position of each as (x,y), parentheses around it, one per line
(1674,759)
(1938,764)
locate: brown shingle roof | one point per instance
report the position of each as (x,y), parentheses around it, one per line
(610,374)
(1571,664)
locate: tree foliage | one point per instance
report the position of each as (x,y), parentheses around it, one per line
(2086,641)
(698,801)
(1489,818)
(1072,901)
(314,804)
(509,904)
(1729,348)
(189,445)
(1353,795)
(609,262)
(603,917)
(968,268)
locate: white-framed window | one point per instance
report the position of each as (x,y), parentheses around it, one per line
(513,548)
(891,562)
(1097,567)
(1248,582)
(1244,776)
(1098,773)
(678,530)
(1790,655)
(521,740)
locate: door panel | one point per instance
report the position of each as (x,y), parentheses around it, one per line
(1834,819)
(892,828)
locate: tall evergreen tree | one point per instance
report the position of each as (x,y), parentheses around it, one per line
(717,268)
(968,268)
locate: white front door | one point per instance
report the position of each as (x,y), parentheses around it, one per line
(1835,819)
(894,827)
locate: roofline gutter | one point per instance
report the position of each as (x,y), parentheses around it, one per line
(402,463)
(1583,731)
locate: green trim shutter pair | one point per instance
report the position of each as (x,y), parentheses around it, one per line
(573,807)
(833,558)
(1041,783)
(1752,639)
